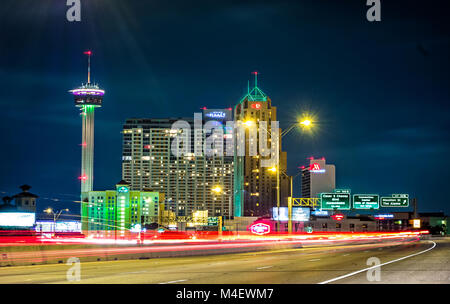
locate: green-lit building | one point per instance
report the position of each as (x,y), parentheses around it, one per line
(114,213)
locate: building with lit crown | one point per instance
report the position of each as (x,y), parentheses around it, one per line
(255,187)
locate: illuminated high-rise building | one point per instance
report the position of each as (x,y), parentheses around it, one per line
(87,97)
(115,213)
(189,183)
(318,177)
(255,187)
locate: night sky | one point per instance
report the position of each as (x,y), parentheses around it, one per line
(380,90)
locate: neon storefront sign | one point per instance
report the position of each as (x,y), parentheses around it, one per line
(260,229)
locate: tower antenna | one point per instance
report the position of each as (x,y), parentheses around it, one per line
(256,78)
(89,53)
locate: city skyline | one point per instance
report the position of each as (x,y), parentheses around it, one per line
(390,158)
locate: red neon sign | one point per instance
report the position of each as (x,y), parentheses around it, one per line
(314,167)
(256,106)
(260,228)
(337,217)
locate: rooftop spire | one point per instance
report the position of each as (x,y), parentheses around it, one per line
(255,94)
(256,78)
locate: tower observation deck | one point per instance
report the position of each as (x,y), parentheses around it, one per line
(87,97)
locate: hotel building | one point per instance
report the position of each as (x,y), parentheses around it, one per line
(187,181)
(318,177)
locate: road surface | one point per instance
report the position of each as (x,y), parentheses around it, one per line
(423,261)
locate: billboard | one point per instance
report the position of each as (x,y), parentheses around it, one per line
(366,201)
(61,226)
(299,214)
(17,219)
(331,201)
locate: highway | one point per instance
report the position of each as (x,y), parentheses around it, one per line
(426,261)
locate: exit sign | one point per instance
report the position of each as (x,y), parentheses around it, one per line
(366,201)
(394,202)
(331,201)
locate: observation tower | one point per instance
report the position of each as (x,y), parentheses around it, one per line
(87,97)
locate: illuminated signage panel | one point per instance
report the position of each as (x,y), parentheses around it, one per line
(394,202)
(217,114)
(17,219)
(366,201)
(383,216)
(256,106)
(315,168)
(260,228)
(299,214)
(320,213)
(331,201)
(337,217)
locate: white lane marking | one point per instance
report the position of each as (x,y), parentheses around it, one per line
(368,268)
(313,260)
(170,282)
(264,267)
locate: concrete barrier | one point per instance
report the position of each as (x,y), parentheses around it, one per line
(35,255)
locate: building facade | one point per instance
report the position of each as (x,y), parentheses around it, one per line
(187,180)
(318,177)
(255,186)
(25,200)
(114,213)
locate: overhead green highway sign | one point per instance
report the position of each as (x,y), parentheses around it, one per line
(338,201)
(394,202)
(366,201)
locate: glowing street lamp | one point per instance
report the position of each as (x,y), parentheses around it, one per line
(56,215)
(217,189)
(306,123)
(248,123)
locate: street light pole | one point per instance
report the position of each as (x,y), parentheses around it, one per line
(305,123)
(55,216)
